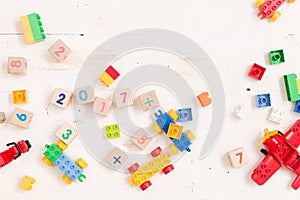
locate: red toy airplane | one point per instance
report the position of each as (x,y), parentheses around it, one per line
(282,151)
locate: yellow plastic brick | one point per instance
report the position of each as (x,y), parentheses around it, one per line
(173,114)
(156,128)
(106,79)
(27,182)
(27,30)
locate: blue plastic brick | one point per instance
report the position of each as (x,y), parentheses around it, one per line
(263,100)
(297,106)
(69,167)
(185,115)
(183,143)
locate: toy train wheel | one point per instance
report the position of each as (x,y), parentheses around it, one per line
(66,179)
(81,163)
(47,161)
(168,169)
(133,168)
(259,3)
(156,152)
(145,185)
(275,16)
(61,145)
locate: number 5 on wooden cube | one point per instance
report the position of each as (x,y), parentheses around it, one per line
(60,50)
(66,133)
(84,94)
(17,65)
(61,98)
(102,106)
(238,157)
(21,118)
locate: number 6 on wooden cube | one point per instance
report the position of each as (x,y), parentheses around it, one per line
(84,94)
(61,98)
(238,157)
(60,50)
(21,118)
(66,133)
(102,106)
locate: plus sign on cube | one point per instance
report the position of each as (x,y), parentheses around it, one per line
(148,100)
(116,158)
(238,157)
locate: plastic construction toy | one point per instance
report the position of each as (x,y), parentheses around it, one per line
(32,28)
(14,151)
(140,175)
(291,86)
(72,171)
(163,121)
(263,100)
(19,96)
(204,99)
(297,107)
(281,150)
(268,8)
(26,183)
(109,76)
(277,115)
(257,71)
(112,131)
(185,115)
(276,57)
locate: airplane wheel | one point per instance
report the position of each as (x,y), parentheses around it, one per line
(168,169)
(66,179)
(133,168)
(275,16)
(47,161)
(81,163)
(263,151)
(145,185)
(156,152)
(259,3)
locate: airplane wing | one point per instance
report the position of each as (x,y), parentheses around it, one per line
(265,169)
(293,135)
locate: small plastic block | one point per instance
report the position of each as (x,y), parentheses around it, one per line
(183,143)
(2,117)
(21,118)
(141,139)
(84,95)
(52,152)
(190,135)
(122,98)
(156,128)
(26,183)
(102,106)
(175,131)
(296,109)
(116,158)
(60,50)
(17,66)
(19,96)
(263,100)
(173,114)
(238,157)
(32,28)
(173,149)
(185,115)
(148,100)
(257,71)
(66,133)
(112,131)
(242,111)
(291,87)
(112,72)
(276,57)
(61,98)
(277,115)
(68,167)
(108,76)
(204,99)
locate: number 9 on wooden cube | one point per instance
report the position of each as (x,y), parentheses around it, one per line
(61,98)
(21,118)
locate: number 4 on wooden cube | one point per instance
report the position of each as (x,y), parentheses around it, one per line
(21,118)
(61,98)
(17,65)
(102,106)
(60,50)
(238,157)
(66,133)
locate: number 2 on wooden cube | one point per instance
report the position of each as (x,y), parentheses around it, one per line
(122,98)
(60,50)
(61,98)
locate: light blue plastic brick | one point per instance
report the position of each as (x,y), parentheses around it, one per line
(297,106)
(68,167)
(263,100)
(185,115)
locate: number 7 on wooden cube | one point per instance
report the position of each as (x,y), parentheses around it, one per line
(238,157)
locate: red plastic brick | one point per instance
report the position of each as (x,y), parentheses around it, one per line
(256,71)
(112,72)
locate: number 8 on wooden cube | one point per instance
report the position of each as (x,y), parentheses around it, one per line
(21,118)
(238,157)
(61,98)
(17,65)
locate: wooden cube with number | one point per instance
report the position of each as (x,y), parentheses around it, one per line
(17,66)
(60,50)
(148,100)
(84,95)
(61,98)
(21,118)
(122,98)
(102,106)
(141,139)
(238,157)
(66,133)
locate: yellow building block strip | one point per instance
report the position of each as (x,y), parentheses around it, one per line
(298,85)
(106,79)
(27,30)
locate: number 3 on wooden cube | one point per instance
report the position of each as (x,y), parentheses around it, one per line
(102,106)
(21,118)
(66,133)
(84,95)
(61,98)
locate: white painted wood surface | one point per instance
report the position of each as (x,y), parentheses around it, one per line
(233,37)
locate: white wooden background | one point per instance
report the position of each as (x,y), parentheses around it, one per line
(228,30)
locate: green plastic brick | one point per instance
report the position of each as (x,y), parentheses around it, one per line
(291,87)
(36,27)
(112,131)
(276,57)
(52,152)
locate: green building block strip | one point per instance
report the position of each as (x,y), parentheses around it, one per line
(291,87)
(52,152)
(276,57)
(112,131)
(36,27)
